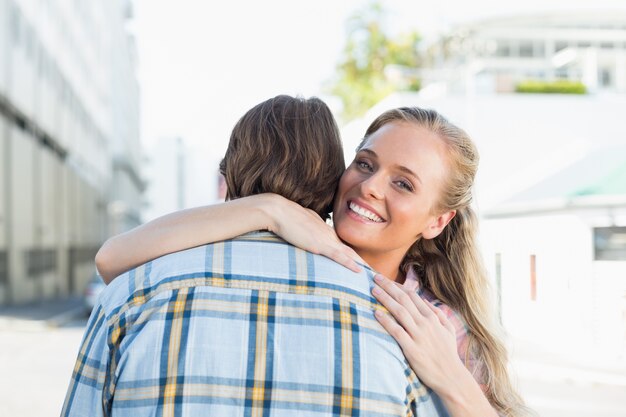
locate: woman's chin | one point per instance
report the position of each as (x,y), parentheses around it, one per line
(356,239)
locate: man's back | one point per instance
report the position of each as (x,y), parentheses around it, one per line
(249,326)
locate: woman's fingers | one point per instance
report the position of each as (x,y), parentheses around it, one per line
(422,306)
(335,249)
(442,318)
(305,229)
(407,297)
(394,329)
(342,256)
(351,252)
(406,305)
(397,301)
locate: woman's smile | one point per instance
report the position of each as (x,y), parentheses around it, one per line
(362,212)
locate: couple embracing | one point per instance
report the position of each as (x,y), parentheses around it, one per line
(384,313)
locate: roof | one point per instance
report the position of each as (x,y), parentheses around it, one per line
(596,180)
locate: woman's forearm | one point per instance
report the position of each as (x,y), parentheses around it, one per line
(463,397)
(183,230)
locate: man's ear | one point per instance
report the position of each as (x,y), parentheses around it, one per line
(438,224)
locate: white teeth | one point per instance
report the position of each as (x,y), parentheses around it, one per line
(365,213)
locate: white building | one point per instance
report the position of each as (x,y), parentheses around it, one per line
(561,244)
(68,101)
(495,54)
(127,186)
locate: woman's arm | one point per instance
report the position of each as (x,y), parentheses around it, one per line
(428,341)
(197,226)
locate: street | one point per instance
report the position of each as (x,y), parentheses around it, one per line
(36,366)
(554,391)
(35,369)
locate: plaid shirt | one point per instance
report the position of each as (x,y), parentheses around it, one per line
(247,327)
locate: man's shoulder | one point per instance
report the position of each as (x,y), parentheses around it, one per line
(267,254)
(258,260)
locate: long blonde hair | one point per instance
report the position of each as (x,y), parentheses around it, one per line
(450,265)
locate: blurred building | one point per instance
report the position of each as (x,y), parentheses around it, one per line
(69,141)
(551,188)
(180,177)
(167,167)
(495,54)
(561,244)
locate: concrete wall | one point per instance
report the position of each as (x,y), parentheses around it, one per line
(579,304)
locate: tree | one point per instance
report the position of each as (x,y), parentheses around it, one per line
(374,64)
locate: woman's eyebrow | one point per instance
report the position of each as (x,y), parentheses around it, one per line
(369,151)
(408,171)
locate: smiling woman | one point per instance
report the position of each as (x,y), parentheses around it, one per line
(403,206)
(388,195)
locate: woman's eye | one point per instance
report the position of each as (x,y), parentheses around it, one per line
(405,185)
(364,165)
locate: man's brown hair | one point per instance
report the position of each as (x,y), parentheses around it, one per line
(289,146)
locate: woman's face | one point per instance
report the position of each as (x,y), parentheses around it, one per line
(386,197)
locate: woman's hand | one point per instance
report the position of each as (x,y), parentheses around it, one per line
(305,229)
(424,333)
(428,340)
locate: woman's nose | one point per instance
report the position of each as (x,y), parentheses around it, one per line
(373,186)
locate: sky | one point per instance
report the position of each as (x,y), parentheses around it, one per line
(201,64)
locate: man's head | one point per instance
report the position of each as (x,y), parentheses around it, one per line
(288,146)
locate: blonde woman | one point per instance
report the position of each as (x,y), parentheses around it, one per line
(403,205)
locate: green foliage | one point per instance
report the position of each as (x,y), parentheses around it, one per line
(551,87)
(362,79)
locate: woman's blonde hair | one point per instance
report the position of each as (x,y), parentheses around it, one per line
(450,265)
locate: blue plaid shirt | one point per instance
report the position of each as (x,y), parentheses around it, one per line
(247,327)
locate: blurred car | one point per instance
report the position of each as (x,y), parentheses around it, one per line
(93,290)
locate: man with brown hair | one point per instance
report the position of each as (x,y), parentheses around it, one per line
(251,325)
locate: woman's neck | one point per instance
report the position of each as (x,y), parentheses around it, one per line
(387,265)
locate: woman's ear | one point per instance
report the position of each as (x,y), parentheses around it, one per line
(438,224)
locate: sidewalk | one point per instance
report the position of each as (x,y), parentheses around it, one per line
(42,314)
(532,362)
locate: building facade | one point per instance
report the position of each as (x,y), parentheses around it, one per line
(494,55)
(68,106)
(560,251)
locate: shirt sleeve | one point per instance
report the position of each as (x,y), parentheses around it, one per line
(84,395)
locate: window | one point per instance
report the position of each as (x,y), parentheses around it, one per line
(526,49)
(16,25)
(605,77)
(609,243)
(503,49)
(4,267)
(39,261)
(558,46)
